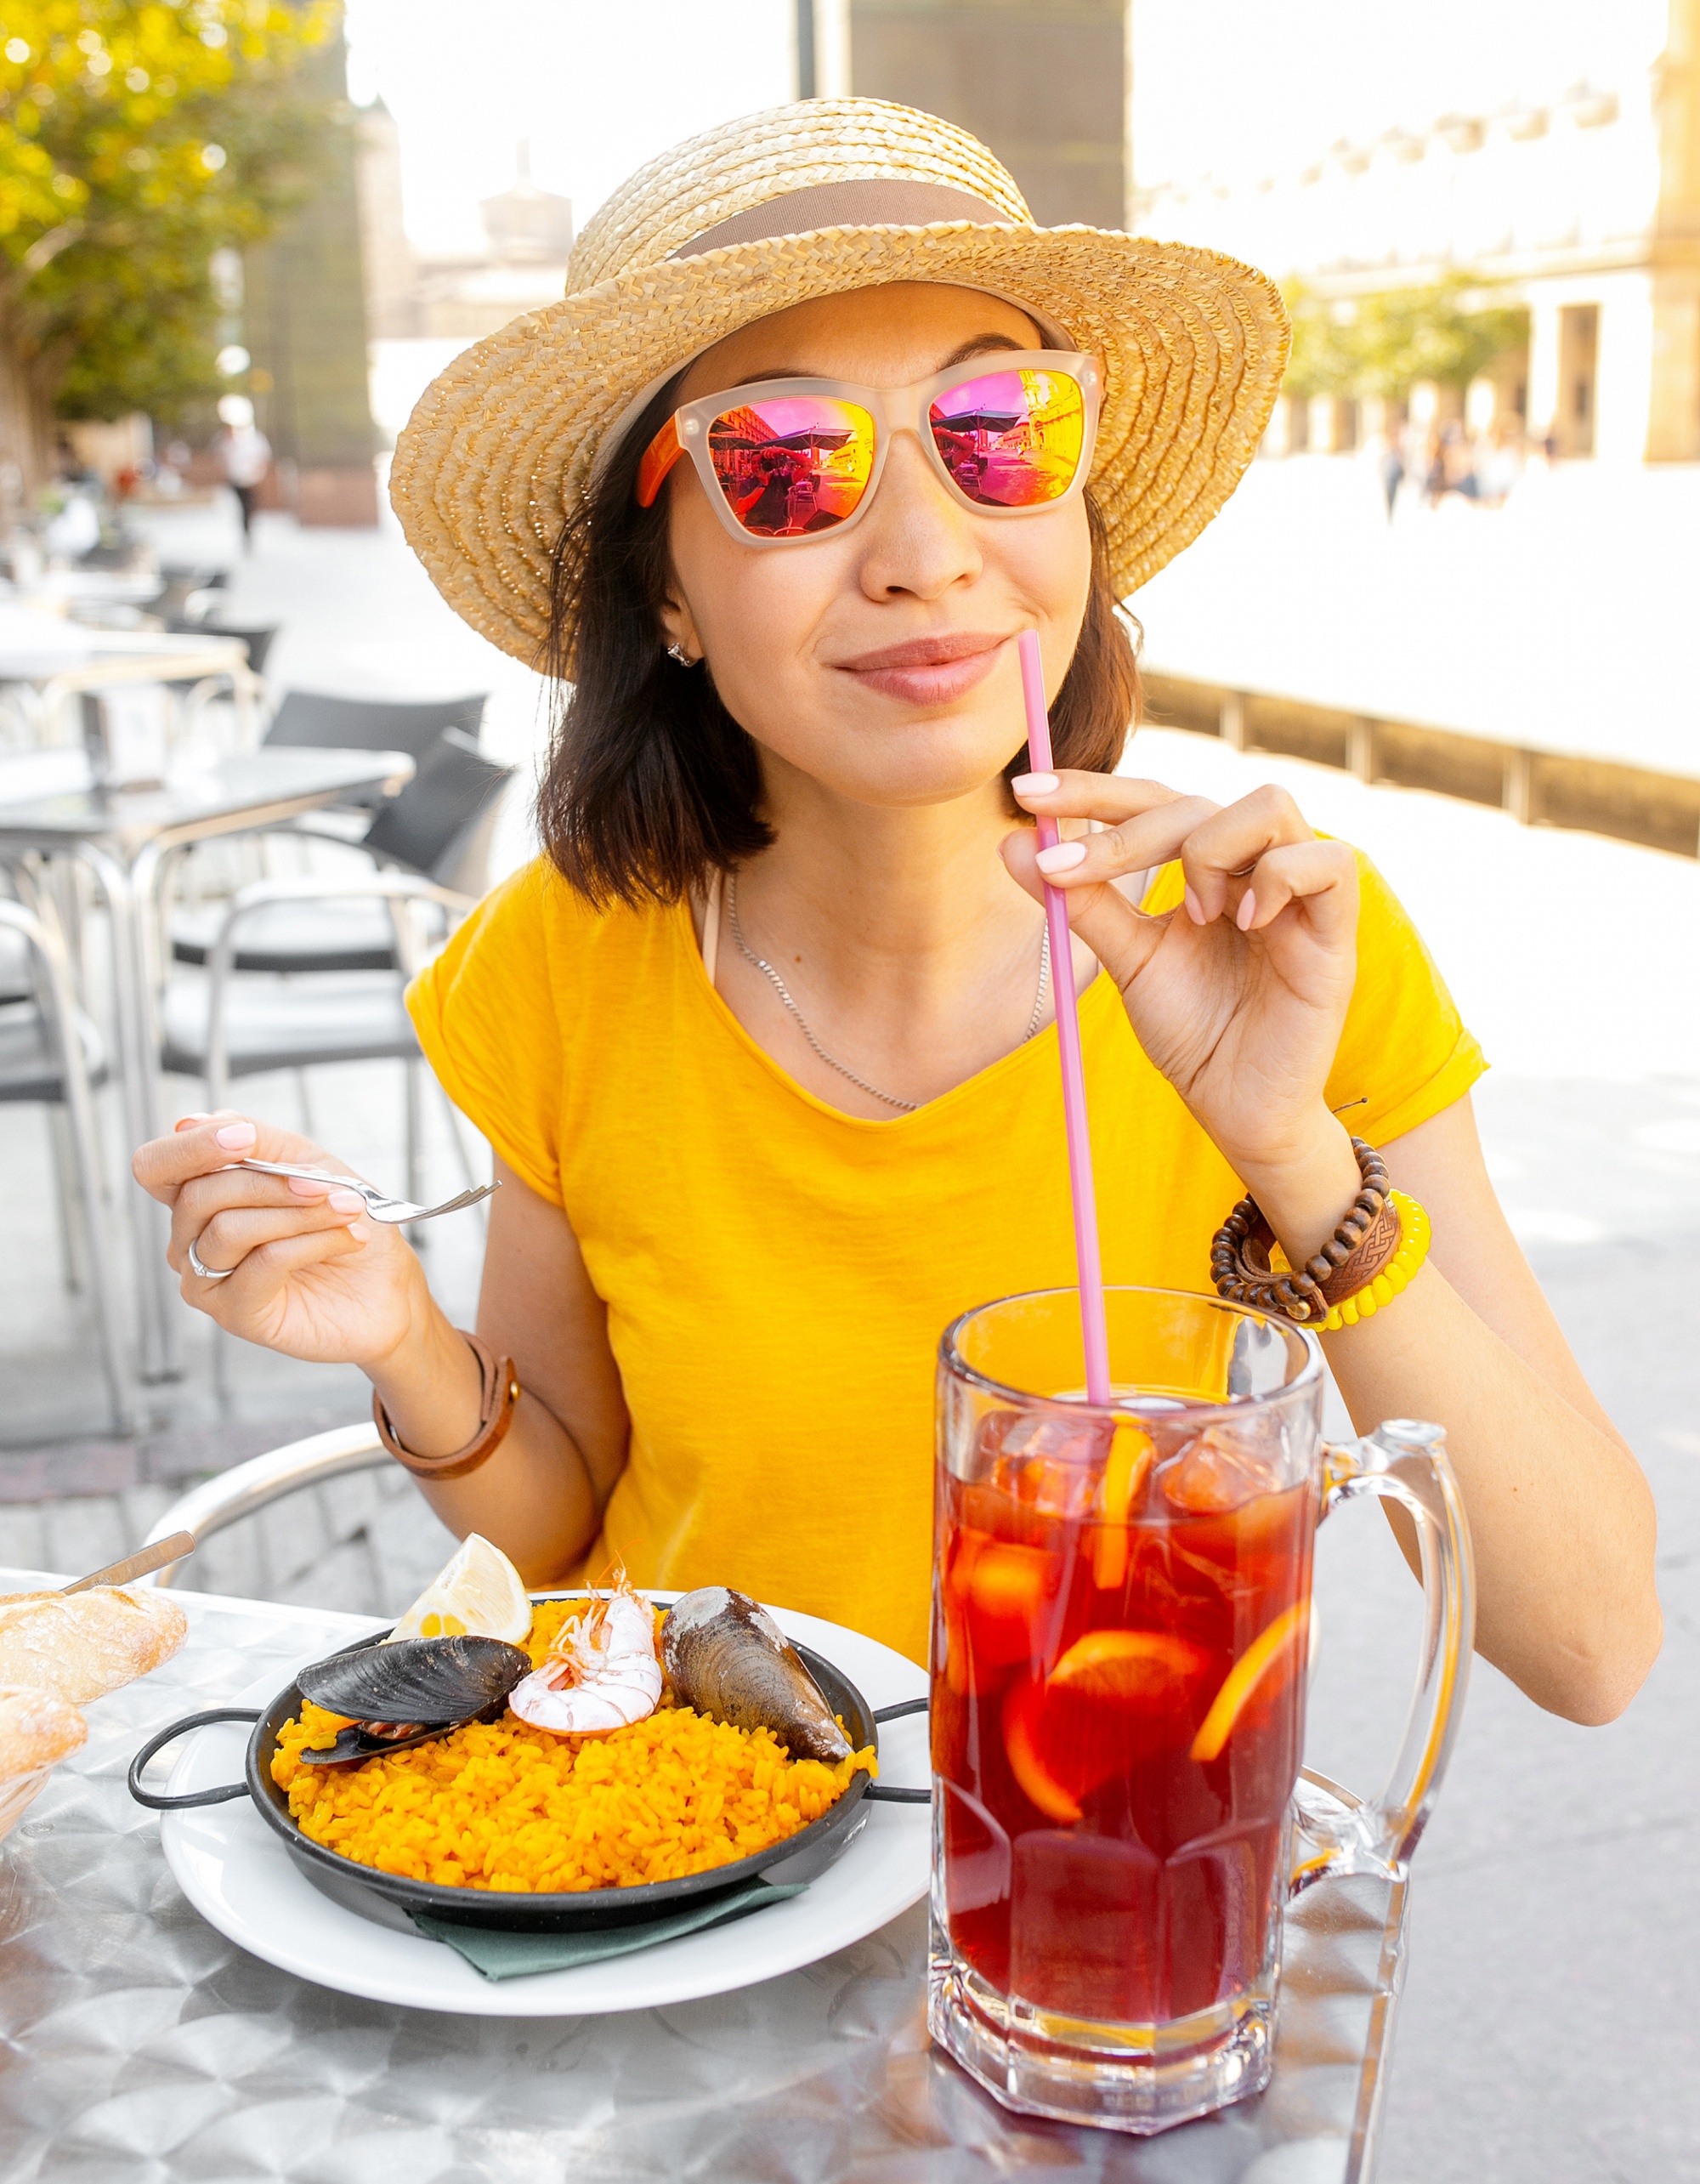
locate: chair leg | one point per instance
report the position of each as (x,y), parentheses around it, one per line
(66,1199)
(413,1125)
(93,1201)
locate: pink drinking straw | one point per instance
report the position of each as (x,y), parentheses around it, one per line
(1094,1333)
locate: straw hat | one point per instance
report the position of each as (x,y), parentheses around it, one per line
(813,199)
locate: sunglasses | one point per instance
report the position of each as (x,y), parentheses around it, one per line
(790,459)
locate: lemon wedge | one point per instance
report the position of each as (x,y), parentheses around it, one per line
(476,1594)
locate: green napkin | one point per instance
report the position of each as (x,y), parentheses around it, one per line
(502,1955)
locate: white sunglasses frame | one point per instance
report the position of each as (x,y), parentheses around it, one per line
(894,410)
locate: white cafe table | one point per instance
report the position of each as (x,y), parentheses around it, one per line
(144,2044)
(46,662)
(120,836)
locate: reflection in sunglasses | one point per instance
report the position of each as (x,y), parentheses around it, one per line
(1013,439)
(791,464)
(794,464)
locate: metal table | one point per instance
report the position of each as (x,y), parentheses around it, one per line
(122,835)
(143,2047)
(41,681)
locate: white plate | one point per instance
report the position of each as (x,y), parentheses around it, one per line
(242,1880)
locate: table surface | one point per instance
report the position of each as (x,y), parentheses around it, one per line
(284,775)
(87,655)
(143,2047)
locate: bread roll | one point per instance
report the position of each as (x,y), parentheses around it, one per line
(80,1645)
(37,1730)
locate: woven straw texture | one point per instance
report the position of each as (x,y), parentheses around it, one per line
(498,452)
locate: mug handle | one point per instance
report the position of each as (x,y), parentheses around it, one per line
(1403,1460)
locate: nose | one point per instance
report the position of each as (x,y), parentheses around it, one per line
(916,541)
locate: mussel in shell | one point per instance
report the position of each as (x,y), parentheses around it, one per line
(727,1657)
(407,1693)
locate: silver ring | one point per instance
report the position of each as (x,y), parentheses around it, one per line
(208,1273)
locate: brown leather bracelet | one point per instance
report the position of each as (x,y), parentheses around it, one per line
(499,1397)
(1361,1245)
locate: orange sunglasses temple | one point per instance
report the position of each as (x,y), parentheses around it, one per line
(663,451)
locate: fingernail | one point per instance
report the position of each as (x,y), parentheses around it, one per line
(1195,909)
(302,1188)
(347,1201)
(1246,911)
(360,1229)
(1062,859)
(1035,785)
(234,1135)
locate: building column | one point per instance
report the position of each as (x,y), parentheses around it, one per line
(1543,351)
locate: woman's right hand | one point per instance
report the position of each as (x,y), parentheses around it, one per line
(311,1274)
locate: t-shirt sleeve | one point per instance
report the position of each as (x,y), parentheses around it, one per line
(485,1010)
(1404,1051)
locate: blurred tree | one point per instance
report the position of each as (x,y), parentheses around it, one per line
(137,138)
(1383,344)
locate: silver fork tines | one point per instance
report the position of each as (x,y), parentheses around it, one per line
(379,1204)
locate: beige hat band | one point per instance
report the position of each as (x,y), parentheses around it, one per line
(876,202)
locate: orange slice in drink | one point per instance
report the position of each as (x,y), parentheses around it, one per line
(1022,1710)
(1272,1652)
(1129,1460)
(1153,1671)
(1004,1591)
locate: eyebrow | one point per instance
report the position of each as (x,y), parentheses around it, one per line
(980,344)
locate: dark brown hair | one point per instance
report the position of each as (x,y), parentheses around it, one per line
(650,781)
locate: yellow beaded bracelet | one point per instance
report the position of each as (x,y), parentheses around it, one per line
(1364,1265)
(1414,1249)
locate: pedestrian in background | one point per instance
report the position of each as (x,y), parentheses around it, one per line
(244,455)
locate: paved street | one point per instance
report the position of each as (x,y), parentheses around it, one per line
(1546,2035)
(1556,621)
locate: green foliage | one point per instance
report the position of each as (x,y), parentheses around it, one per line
(1383,344)
(137,139)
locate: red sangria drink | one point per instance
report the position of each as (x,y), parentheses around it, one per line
(1120,1650)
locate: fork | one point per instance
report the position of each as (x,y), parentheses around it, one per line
(381,1207)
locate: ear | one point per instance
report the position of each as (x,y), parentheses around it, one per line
(679,626)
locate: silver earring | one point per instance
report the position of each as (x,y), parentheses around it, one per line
(677,652)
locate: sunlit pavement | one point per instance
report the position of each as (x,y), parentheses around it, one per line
(1547,2035)
(1562,621)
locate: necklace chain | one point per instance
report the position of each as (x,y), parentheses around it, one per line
(760,962)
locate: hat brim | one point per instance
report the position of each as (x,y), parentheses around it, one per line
(501,447)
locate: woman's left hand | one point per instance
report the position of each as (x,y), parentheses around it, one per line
(1238,995)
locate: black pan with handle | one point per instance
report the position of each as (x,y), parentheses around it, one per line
(804,1856)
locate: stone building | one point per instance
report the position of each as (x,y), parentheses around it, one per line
(415,296)
(1579,193)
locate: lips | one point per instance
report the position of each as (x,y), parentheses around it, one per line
(927,671)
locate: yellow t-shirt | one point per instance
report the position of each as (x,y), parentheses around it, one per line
(777,1274)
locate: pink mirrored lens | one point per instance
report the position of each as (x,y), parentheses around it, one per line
(793,463)
(1012,440)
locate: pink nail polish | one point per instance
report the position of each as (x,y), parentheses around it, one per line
(1195,909)
(236,1134)
(1062,859)
(1035,785)
(1246,911)
(347,1201)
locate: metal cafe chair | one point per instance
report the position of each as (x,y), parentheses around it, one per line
(51,1056)
(224,1027)
(438,827)
(247,1488)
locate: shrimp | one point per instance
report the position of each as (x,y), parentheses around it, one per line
(602,1673)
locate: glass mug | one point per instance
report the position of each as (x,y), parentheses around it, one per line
(1119,1661)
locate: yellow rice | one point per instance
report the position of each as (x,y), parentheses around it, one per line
(502,1805)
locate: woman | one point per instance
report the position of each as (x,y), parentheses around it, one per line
(763,1043)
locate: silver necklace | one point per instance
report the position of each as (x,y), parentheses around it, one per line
(760,962)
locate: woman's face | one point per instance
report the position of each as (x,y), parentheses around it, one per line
(879,662)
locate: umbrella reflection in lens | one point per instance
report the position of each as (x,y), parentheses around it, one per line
(793,464)
(1012,440)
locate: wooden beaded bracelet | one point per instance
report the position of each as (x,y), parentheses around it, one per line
(1368,1261)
